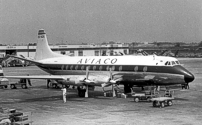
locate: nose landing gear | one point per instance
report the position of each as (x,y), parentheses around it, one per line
(185,86)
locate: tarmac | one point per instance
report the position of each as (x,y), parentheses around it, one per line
(47,107)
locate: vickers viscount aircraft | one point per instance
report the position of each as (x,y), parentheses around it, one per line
(106,70)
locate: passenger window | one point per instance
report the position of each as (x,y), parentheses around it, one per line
(76,67)
(136,68)
(100,68)
(66,67)
(113,68)
(94,67)
(169,63)
(107,68)
(71,67)
(88,67)
(62,67)
(120,68)
(166,63)
(82,67)
(177,62)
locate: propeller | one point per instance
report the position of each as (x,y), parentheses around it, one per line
(110,81)
(87,80)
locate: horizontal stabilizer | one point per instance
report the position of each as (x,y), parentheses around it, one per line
(25,59)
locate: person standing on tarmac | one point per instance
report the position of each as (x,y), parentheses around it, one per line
(28,80)
(64,93)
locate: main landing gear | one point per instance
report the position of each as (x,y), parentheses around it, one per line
(127,88)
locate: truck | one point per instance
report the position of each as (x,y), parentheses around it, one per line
(4,82)
(144,96)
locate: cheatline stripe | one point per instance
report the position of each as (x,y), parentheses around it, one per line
(126,68)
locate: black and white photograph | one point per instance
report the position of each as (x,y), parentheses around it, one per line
(100,62)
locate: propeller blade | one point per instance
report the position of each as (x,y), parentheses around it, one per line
(110,73)
(105,85)
(87,72)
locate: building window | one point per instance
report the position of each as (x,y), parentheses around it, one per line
(62,52)
(80,52)
(96,53)
(104,53)
(72,52)
(125,51)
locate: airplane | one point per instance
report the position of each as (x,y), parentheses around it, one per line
(86,71)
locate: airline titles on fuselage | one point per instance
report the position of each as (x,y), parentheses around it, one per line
(97,61)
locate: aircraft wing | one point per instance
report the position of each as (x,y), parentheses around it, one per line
(55,77)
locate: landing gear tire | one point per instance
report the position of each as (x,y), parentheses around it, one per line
(55,86)
(48,85)
(67,86)
(136,99)
(127,88)
(24,86)
(185,86)
(162,105)
(81,92)
(154,103)
(12,86)
(170,103)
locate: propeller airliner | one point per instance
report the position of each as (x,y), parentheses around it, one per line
(106,70)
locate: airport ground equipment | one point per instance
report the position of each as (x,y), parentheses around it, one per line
(15,117)
(144,96)
(56,85)
(169,93)
(14,85)
(4,83)
(162,101)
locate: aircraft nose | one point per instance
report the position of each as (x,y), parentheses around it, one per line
(189,77)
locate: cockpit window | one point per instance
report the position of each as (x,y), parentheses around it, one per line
(177,62)
(173,62)
(167,63)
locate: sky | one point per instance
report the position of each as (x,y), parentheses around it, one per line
(98,21)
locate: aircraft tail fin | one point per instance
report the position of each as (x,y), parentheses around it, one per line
(43,50)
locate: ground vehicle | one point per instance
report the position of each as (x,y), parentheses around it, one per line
(16,62)
(146,96)
(17,84)
(162,101)
(4,82)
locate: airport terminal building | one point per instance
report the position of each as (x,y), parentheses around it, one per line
(73,50)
